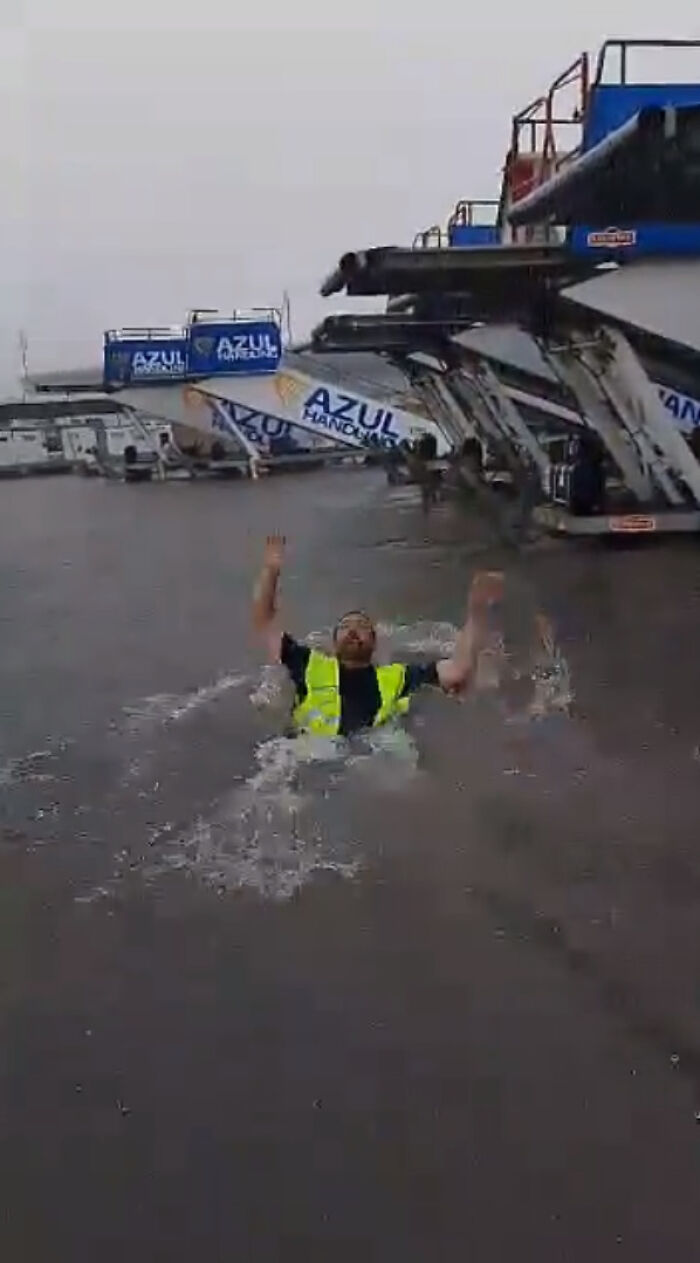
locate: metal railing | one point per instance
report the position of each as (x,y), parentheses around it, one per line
(539,120)
(146,333)
(619,49)
(467,213)
(535,130)
(430,239)
(211,315)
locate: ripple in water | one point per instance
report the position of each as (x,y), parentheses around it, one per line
(264,836)
(37,766)
(163,708)
(284,824)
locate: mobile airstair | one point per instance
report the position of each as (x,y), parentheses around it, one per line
(580,227)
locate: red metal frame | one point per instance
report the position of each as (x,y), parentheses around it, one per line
(539,118)
(538,124)
(534,129)
(534,153)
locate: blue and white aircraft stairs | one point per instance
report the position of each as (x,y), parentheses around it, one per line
(591,253)
(228,376)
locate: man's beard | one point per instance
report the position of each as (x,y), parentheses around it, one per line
(355,653)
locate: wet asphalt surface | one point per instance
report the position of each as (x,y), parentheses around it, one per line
(451,1011)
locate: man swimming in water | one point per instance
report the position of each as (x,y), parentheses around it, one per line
(339,694)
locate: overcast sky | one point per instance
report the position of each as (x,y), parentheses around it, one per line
(166,154)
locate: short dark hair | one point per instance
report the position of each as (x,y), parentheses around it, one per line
(349,614)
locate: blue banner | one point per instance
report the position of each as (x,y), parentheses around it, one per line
(474,235)
(229,348)
(627,241)
(143,359)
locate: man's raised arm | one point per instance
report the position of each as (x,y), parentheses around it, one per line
(457,672)
(265,618)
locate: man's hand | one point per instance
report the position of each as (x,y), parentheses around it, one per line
(265,596)
(487,589)
(273,557)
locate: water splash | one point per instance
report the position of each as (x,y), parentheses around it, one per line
(539,660)
(274,690)
(35,767)
(264,835)
(164,708)
(387,758)
(286,822)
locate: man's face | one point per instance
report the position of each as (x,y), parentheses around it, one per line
(354,639)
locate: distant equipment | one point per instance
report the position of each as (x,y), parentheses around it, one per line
(209,344)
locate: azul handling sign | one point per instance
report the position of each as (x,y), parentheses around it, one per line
(262,429)
(227,348)
(202,348)
(344,416)
(130,360)
(684,409)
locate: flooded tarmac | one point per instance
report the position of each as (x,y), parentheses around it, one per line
(429,994)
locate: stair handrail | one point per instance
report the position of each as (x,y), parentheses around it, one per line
(624,45)
(539,117)
(463,213)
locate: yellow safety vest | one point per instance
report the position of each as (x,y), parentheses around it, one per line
(319,712)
